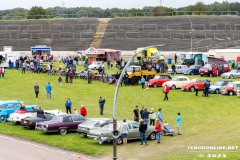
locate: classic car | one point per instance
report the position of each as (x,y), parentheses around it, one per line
(177,82)
(232,74)
(82,74)
(192,70)
(95,65)
(158,80)
(20,114)
(231,88)
(217,86)
(104,134)
(179,69)
(191,86)
(92,123)
(8,107)
(30,122)
(61,123)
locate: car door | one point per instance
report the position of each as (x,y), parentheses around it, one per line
(9,108)
(67,123)
(135,129)
(130,134)
(77,119)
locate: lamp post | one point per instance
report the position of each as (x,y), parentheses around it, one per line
(116,94)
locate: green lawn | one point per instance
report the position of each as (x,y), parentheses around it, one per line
(207,121)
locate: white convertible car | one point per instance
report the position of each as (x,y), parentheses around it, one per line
(21,114)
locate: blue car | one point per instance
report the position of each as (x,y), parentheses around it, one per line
(217,86)
(8,107)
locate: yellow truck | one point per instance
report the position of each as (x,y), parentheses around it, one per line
(147,53)
(135,73)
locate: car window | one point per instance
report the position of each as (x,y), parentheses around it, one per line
(78,118)
(225,65)
(129,126)
(9,106)
(67,119)
(18,105)
(2,106)
(225,83)
(135,125)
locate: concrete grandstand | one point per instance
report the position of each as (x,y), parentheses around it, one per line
(207,32)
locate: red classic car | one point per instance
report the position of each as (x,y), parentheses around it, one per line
(158,80)
(191,86)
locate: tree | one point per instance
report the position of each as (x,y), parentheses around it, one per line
(37,13)
(162,11)
(200,6)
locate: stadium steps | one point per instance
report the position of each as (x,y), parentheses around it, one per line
(98,37)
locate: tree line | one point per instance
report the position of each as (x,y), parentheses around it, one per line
(39,12)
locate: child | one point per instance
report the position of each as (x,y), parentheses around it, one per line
(60,81)
(75,110)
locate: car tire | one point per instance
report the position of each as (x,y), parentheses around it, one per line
(134,81)
(3,118)
(119,140)
(230,93)
(192,89)
(173,87)
(191,73)
(231,76)
(63,131)
(152,136)
(217,91)
(155,85)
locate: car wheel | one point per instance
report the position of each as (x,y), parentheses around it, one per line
(231,76)
(63,131)
(134,81)
(192,89)
(155,85)
(152,136)
(3,118)
(217,91)
(119,140)
(173,87)
(231,93)
(191,73)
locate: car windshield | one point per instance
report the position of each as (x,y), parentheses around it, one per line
(174,79)
(218,83)
(207,66)
(157,77)
(234,71)
(192,67)
(57,118)
(230,85)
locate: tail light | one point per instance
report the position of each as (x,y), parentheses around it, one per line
(29,122)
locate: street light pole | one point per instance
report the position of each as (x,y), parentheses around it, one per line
(116,94)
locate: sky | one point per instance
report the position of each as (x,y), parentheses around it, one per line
(9,4)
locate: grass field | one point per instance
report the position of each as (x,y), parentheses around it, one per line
(207,121)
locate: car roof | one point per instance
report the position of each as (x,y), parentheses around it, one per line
(10,101)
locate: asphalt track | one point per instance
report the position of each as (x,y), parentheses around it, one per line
(18,149)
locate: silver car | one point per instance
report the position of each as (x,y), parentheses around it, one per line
(104,134)
(234,73)
(92,123)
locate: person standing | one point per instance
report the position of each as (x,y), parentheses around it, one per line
(49,90)
(36,89)
(175,58)
(124,132)
(142,82)
(83,111)
(142,130)
(101,102)
(158,130)
(136,114)
(146,116)
(197,88)
(152,117)
(68,106)
(24,65)
(141,112)
(179,121)
(40,112)
(60,81)
(160,116)
(173,69)
(75,110)
(166,90)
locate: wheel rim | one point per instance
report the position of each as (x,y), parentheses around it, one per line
(63,131)
(155,85)
(230,93)
(119,140)
(173,87)
(153,136)
(217,91)
(231,76)
(3,118)
(192,89)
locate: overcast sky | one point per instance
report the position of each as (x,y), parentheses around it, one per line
(9,4)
